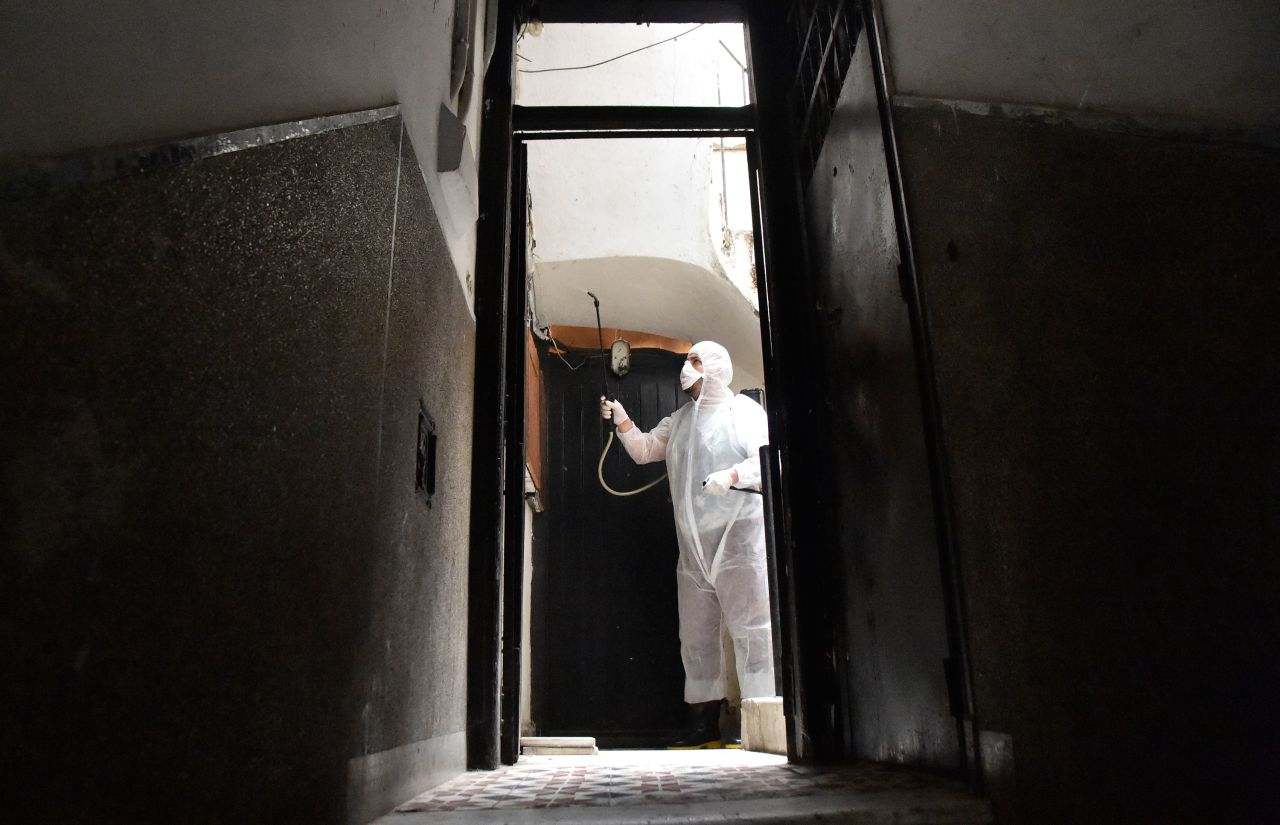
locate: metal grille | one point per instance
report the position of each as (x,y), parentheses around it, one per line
(824,33)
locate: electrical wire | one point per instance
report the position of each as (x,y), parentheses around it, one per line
(560,349)
(610,60)
(609,443)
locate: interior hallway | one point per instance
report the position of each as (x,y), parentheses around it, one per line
(709,786)
(249,379)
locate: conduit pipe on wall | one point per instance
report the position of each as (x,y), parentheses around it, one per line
(490,30)
(455,161)
(463,15)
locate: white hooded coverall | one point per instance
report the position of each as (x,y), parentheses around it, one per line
(721,574)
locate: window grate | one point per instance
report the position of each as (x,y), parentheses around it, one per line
(824,34)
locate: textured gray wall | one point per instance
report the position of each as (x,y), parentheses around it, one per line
(1103,312)
(132,71)
(218,588)
(1211,61)
(895,632)
(82,76)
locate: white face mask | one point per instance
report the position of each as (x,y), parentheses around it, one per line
(688,376)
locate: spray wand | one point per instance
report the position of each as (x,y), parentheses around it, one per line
(604,362)
(605,393)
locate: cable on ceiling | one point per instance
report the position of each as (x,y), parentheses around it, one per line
(610,60)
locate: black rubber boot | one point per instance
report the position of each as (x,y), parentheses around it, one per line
(704,728)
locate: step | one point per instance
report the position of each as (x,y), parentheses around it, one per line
(558,745)
(764,728)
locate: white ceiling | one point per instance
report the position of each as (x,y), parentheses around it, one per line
(657,295)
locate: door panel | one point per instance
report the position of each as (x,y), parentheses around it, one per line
(606,648)
(894,630)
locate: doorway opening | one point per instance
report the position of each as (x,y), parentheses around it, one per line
(660,230)
(650,213)
(812,588)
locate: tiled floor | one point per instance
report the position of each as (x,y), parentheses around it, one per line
(667,781)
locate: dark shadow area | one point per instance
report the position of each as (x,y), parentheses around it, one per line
(1104,315)
(219,590)
(606,646)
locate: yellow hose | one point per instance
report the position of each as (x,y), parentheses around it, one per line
(605,485)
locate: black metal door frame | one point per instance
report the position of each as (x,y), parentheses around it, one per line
(807,642)
(512,583)
(497,516)
(618,122)
(492,387)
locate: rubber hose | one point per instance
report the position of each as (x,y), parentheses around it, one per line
(605,484)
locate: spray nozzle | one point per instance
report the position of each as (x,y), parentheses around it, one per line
(600,341)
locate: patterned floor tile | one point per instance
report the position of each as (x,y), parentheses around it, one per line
(625,778)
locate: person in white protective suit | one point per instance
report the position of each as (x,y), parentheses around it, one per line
(711,446)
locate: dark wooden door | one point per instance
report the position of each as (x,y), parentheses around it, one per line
(605,637)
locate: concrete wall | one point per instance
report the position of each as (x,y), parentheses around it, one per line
(659,229)
(122,72)
(692,70)
(221,597)
(1207,61)
(1099,279)
(1103,310)
(639,223)
(1102,301)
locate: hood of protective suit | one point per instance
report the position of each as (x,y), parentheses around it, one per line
(717,372)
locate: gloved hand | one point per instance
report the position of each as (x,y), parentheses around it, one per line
(612,410)
(719,482)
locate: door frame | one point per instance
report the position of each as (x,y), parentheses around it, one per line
(807,640)
(497,514)
(532,124)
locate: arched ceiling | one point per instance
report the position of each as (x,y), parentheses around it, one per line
(658,295)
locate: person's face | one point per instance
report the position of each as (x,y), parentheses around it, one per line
(696,363)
